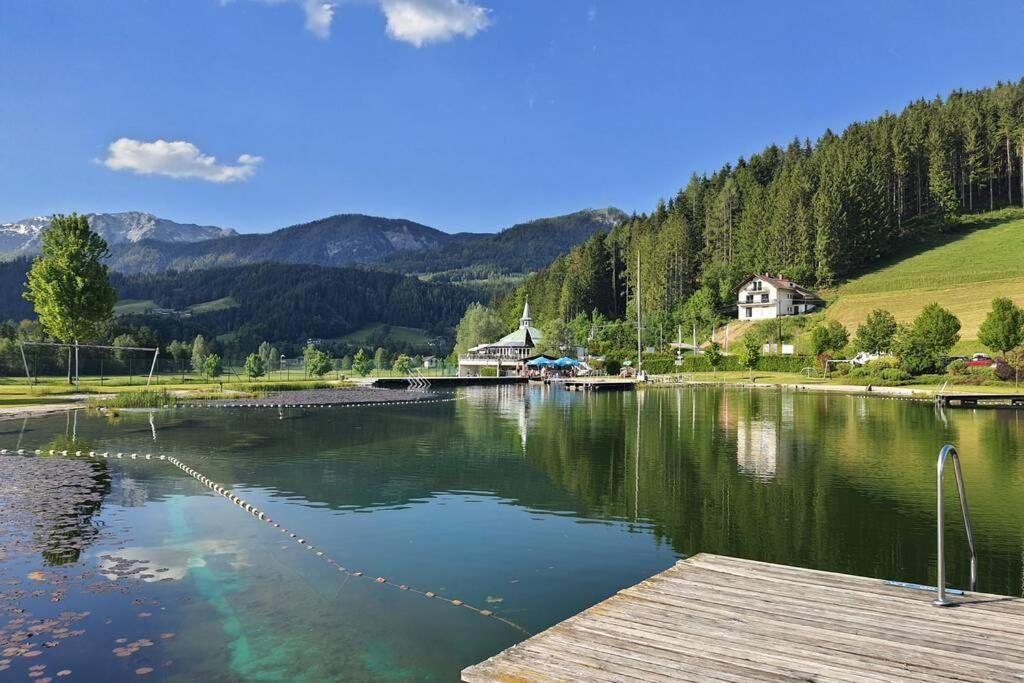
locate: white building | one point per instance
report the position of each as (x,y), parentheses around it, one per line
(770,296)
(508,355)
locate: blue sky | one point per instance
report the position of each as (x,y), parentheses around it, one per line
(461,114)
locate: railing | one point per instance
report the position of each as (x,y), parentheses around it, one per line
(945,453)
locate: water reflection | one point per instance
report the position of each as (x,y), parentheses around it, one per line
(536,501)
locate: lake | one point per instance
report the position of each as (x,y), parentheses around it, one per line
(529,503)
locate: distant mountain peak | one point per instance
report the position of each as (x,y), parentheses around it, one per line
(127,227)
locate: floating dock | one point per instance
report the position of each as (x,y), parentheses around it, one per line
(975,400)
(447,382)
(713,618)
(595,384)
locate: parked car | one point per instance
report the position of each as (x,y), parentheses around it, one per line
(863,358)
(981,360)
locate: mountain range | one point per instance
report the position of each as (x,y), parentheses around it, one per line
(143,243)
(22,238)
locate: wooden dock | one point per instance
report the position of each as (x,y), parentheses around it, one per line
(713,618)
(975,400)
(596,384)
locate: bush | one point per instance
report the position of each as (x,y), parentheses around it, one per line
(957,367)
(664,364)
(894,375)
(1011,366)
(612,366)
(488,372)
(882,363)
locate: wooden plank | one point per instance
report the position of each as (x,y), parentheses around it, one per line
(712,618)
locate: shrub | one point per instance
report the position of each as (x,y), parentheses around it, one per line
(957,367)
(882,363)
(488,372)
(894,375)
(612,366)
(1011,366)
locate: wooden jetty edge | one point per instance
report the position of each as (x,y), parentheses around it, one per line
(975,400)
(714,618)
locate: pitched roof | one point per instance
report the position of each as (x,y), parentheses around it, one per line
(780,282)
(524,336)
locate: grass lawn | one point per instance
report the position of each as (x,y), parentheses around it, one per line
(963,273)
(54,390)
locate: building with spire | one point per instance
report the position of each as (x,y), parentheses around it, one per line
(508,355)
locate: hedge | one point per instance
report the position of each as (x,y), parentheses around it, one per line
(661,364)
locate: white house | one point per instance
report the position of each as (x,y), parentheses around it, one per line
(508,355)
(770,296)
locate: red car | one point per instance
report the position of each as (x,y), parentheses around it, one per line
(980,360)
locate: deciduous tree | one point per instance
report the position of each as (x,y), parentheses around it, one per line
(875,335)
(68,284)
(1003,328)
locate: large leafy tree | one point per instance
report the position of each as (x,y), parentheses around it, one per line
(199,353)
(479,325)
(318,363)
(919,346)
(255,366)
(68,284)
(830,337)
(875,335)
(362,363)
(1003,328)
(938,329)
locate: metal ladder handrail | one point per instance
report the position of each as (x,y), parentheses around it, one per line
(947,451)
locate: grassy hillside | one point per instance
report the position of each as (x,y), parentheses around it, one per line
(129,306)
(962,272)
(373,334)
(221,304)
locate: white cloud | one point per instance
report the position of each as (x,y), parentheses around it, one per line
(412,21)
(319,15)
(428,21)
(176,159)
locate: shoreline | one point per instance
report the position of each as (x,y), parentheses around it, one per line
(39,410)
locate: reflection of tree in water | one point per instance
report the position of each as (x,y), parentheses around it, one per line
(833,482)
(56,497)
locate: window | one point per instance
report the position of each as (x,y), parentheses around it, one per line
(750,298)
(757,285)
(749,311)
(764,298)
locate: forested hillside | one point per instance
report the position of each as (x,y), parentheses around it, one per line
(819,212)
(522,248)
(276,302)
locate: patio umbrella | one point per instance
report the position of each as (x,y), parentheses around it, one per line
(566,362)
(540,362)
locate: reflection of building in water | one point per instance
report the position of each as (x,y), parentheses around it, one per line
(757,447)
(509,401)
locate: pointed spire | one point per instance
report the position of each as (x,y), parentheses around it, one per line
(526,320)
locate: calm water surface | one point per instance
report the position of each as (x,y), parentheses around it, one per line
(530,502)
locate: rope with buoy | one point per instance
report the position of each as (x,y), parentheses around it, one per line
(256,513)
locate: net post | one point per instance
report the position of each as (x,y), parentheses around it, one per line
(156,352)
(28,375)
